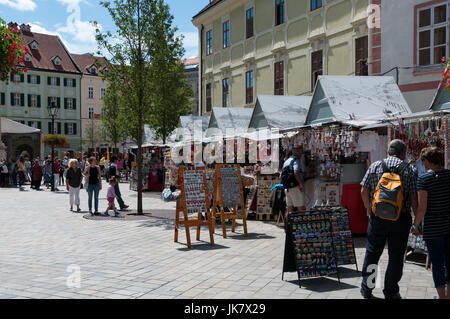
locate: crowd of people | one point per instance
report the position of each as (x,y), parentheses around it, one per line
(425,197)
(75,174)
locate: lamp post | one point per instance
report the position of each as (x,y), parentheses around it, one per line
(53,112)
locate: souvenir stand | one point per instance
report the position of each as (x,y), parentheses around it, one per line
(194,200)
(340,107)
(229,193)
(273,113)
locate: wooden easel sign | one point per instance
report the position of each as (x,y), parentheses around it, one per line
(194,200)
(229,193)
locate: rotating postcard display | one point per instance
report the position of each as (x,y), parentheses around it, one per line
(229,193)
(194,199)
(322,241)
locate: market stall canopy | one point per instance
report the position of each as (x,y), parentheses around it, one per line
(441,101)
(150,139)
(188,123)
(12,127)
(350,98)
(236,118)
(279,112)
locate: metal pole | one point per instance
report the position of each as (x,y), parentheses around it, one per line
(53,154)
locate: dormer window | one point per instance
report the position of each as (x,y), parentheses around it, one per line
(57,61)
(93,70)
(27,57)
(34,45)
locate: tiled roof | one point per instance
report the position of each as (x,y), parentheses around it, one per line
(49,46)
(191,61)
(85,61)
(210,5)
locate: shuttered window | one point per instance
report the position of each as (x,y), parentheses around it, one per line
(279,78)
(249,18)
(316,67)
(208,98)
(361,54)
(249,87)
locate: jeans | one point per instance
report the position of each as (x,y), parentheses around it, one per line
(396,234)
(21,178)
(74,195)
(119,196)
(439,251)
(93,189)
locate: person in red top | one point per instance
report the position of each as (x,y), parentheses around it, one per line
(56,173)
(36,174)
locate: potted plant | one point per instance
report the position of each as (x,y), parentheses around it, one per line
(54,140)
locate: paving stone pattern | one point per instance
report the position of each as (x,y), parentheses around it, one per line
(43,245)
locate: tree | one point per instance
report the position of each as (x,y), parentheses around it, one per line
(12,52)
(131,62)
(171,92)
(112,119)
(92,134)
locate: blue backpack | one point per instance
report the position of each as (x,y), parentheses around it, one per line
(287,175)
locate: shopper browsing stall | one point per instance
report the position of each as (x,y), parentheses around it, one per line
(382,227)
(433,211)
(291,178)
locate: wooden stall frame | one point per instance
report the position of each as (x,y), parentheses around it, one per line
(218,202)
(181,207)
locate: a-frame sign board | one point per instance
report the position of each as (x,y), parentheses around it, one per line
(193,200)
(229,193)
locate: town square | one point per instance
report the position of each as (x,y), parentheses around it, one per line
(229,150)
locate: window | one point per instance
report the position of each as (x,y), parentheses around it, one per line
(226,92)
(209,49)
(57,61)
(91,112)
(102,93)
(316,4)
(249,23)
(17,78)
(226,34)
(16,100)
(249,87)
(53,101)
(33,79)
(69,82)
(362,52)
(279,12)
(53,81)
(432,34)
(34,45)
(279,78)
(33,100)
(316,67)
(35,124)
(27,57)
(208,98)
(91,92)
(93,70)
(69,104)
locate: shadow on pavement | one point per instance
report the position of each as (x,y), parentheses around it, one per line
(241,236)
(321,284)
(202,246)
(348,272)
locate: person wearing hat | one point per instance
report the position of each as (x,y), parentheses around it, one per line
(380,230)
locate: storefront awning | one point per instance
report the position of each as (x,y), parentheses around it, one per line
(12,127)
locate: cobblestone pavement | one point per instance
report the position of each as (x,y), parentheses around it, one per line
(42,243)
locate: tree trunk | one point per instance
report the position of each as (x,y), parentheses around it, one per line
(139,169)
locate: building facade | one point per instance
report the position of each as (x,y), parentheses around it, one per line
(52,78)
(93,90)
(276,47)
(191,72)
(410,48)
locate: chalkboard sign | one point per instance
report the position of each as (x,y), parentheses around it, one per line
(194,199)
(229,194)
(318,242)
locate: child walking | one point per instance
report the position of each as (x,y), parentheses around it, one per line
(111,196)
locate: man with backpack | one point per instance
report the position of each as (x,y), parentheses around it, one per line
(292,180)
(388,191)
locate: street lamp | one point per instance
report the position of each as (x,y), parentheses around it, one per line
(53,112)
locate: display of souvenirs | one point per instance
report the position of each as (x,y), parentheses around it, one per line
(194,189)
(313,246)
(329,194)
(342,238)
(171,170)
(265,183)
(417,242)
(231,192)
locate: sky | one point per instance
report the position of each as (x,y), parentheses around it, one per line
(70,20)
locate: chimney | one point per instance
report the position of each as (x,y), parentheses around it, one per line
(12,25)
(25,28)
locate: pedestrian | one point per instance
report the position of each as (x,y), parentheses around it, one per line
(56,167)
(381,229)
(22,172)
(36,175)
(433,210)
(114,172)
(102,163)
(48,173)
(292,180)
(73,183)
(4,180)
(94,177)
(13,172)
(62,169)
(28,167)
(110,196)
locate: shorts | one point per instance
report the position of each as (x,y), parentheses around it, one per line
(294,197)
(110,200)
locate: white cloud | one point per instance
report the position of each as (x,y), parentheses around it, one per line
(82,31)
(22,5)
(190,43)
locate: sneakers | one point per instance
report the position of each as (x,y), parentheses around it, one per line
(124,207)
(116,214)
(105,214)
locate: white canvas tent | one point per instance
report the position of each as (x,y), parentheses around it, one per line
(236,118)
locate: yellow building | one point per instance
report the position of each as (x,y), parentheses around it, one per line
(252,47)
